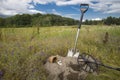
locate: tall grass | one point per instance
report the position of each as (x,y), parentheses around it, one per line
(23,50)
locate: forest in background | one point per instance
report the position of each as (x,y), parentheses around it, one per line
(27,20)
(42,20)
(108,21)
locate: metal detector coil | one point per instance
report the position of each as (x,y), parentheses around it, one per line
(87,63)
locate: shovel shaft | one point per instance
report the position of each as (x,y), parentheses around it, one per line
(80,23)
(76,39)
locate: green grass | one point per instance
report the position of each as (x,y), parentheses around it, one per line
(20,49)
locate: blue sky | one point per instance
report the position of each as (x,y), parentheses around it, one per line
(99,9)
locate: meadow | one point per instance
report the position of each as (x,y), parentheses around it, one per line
(21,49)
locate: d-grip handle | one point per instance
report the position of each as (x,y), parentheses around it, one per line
(84,7)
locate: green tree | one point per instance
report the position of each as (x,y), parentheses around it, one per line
(109,21)
(2,22)
(38,20)
(22,20)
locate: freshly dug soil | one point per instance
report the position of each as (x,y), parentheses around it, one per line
(69,70)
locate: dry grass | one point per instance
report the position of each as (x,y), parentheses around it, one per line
(21,49)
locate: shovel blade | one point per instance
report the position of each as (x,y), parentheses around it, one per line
(76,55)
(71,53)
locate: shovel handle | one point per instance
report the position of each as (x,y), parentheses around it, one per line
(84,7)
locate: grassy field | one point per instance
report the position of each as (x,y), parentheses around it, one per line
(20,49)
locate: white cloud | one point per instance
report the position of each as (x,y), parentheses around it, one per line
(12,7)
(96,19)
(114,8)
(7,12)
(55,12)
(105,6)
(71,2)
(36,11)
(77,9)
(75,16)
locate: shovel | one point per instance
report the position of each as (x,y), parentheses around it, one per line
(73,52)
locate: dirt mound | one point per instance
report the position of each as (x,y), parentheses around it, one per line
(64,68)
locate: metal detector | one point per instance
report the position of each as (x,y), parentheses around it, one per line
(88,63)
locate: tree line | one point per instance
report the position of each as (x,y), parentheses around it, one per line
(27,20)
(108,21)
(39,20)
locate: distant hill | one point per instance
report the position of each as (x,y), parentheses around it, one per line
(39,20)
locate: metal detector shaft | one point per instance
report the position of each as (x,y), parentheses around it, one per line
(83,8)
(100,64)
(110,67)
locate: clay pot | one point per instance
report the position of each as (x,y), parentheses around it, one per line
(52,59)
